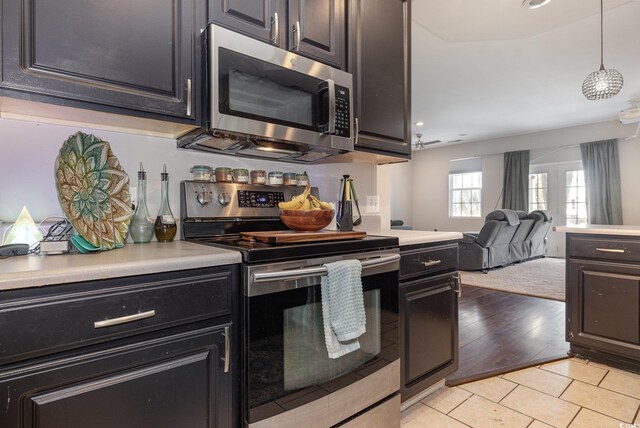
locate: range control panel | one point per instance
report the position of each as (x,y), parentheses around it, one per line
(259,199)
(206,200)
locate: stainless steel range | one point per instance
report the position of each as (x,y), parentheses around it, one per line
(287,377)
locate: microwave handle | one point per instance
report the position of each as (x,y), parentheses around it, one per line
(330,87)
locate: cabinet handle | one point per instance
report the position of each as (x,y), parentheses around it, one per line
(124,320)
(457,285)
(227,348)
(357,131)
(610,250)
(296,35)
(431,263)
(274,28)
(188,97)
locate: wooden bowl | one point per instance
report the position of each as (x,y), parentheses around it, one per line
(306,221)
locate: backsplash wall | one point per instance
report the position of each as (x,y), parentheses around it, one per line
(28,151)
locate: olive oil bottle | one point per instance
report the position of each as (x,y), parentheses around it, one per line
(165,225)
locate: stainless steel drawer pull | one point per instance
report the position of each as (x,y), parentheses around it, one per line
(610,250)
(189,96)
(227,348)
(431,263)
(274,28)
(125,319)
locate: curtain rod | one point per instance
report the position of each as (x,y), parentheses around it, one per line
(557,148)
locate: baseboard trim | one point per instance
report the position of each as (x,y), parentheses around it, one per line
(413,400)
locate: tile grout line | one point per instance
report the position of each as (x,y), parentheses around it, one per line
(597,411)
(636,417)
(575,416)
(602,380)
(565,390)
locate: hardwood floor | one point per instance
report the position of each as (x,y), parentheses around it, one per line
(501,332)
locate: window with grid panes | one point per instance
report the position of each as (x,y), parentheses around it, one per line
(538,191)
(465,194)
(576,198)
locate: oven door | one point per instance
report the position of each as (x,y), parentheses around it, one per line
(286,359)
(262,91)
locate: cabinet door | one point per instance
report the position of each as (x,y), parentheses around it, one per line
(263,19)
(317,30)
(175,381)
(379,61)
(137,55)
(603,311)
(429,331)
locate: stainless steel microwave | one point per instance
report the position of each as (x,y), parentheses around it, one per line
(270,103)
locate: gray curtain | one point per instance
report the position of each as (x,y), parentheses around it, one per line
(515,183)
(602,178)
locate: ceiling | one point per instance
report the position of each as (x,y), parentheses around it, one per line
(489,69)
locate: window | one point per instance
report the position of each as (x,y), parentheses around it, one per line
(465,191)
(538,191)
(576,201)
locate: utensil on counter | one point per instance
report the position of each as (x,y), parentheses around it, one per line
(354,196)
(346,214)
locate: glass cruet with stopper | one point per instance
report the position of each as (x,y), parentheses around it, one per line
(165,225)
(141,227)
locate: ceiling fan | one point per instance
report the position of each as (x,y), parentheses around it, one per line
(419,144)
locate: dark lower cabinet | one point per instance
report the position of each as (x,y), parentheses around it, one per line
(168,382)
(428,316)
(603,299)
(379,58)
(173,365)
(119,56)
(313,28)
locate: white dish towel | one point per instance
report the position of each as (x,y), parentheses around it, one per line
(343,312)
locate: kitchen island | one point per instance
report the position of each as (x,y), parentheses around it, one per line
(603,293)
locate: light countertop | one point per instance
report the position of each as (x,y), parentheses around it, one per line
(411,237)
(601,229)
(132,259)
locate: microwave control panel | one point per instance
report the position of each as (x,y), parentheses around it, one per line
(343,119)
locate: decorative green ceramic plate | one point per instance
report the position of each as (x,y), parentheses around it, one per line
(93,190)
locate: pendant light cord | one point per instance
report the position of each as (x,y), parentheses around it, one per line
(601,35)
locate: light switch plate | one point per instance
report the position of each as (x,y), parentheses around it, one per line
(373,204)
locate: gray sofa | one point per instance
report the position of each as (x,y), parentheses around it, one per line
(507,237)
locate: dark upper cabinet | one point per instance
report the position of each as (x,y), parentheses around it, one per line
(317,30)
(313,28)
(261,19)
(379,58)
(140,56)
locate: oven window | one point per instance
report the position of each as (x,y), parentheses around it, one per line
(305,354)
(286,359)
(259,90)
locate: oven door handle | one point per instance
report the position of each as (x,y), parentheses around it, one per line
(318,270)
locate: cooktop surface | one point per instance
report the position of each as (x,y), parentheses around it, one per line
(258,252)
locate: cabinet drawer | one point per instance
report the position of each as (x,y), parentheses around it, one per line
(51,319)
(428,260)
(605,248)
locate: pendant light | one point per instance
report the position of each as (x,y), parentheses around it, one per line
(604,83)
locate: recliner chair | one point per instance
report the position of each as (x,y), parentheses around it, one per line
(490,248)
(537,239)
(520,247)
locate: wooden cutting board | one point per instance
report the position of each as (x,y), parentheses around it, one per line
(292,236)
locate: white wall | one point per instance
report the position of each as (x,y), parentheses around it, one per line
(28,151)
(401,190)
(430,168)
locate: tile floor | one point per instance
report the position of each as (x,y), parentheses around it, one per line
(568,393)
